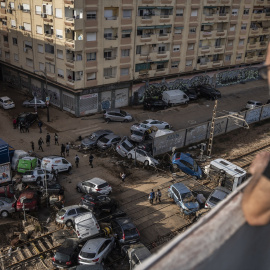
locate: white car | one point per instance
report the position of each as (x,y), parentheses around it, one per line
(56,163)
(94,185)
(143,157)
(156,123)
(37,175)
(6,103)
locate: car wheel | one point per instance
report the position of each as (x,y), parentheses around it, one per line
(146,163)
(4,214)
(69,223)
(79,190)
(129,156)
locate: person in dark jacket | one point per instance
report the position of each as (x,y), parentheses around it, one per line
(63,150)
(48,139)
(91,158)
(56,139)
(40,142)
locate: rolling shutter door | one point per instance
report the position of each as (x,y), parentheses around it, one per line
(121,98)
(88,104)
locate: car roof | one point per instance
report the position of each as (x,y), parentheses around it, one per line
(68,246)
(28,194)
(254,101)
(113,110)
(181,188)
(93,245)
(112,136)
(96,181)
(125,222)
(220,193)
(5,98)
(71,207)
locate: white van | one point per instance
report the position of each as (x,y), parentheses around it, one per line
(56,163)
(174,97)
(86,226)
(18,154)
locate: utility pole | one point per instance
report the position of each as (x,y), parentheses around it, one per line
(211,136)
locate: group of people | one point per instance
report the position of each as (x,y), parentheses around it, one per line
(153,195)
(48,142)
(22,126)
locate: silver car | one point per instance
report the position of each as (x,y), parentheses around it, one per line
(117,115)
(143,157)
(108,141)
(32,103)
(67,214)
(7,206)
(91,141)
(219,194)
(96,250)
(137,135)
(94,185)
(124,146)
(37,175)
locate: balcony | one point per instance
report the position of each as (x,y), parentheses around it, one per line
(217,63)
(254,31)
(251,46)
(145,38)
(257,16)
(205,65)
(49,38)
(218,49)
(161,71)
(111,22)
(250,59)
(162,54)
(163,37)
(69,3)
(204,50)
(262,45)
(223,17)
(209,18)
(74,44)
(210,2)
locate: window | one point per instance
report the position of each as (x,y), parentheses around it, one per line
(246,11)
(232,28)
(91,56)
(40,48)
(190,47)
(124,71)
(27,27)
(175,64)
(176,48)
(26,7)
(12,6)
(49,67)
(139,49)
(243,27)
(235,11)
(5,38)
(39,29)
(241,42)
(38,10)
(4,22)
(91,15)
(230,43)
(126,33)
(60,54)
(228,57)
(108,73)
(188,63)
(14,41)
(180,12)
(60,73)
(41,66)
(7,55)
(59,33)
(108,14)
(28,45)
(47,9)
(125,53)
(13,23)
(91,36)
(91,76)
(16,57)
(239,56)
(29,62)
(49,48)
(58,13)
(192,29)
(79,57)
(127,13)
(194,12)
(178,30)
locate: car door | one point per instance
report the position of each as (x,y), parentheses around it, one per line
(139,155)
(104,249)
(64,164)
(72,213)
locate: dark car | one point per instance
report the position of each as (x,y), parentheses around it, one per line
(154,104)
(191,93)
(53,188)
(126,232)
(27,117)
(98,203)
(67,254)
(208,92)
(91,141)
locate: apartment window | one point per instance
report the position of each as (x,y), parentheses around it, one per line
(29,62)
(178,30)
(239,56)
(91,76)
(160,66)
(241,42)
(27,27)
(246,11)
(4,22)
(194,12)
(5,38)
(41,66)
(26,7)
(12,6)
(47,9)
(60,73)
(176,48)
(58,13)
(91,36)
(38,10)
(192,29)
(91,15)
(190,47)
(180,12)
(125,53)
(16,57)
(59,33)
(243,27)
(228,57)
(175,64)
(40,48)
(127,13)
(3,4)
(39,29)
(108,33)
(108,72)
(91,56)
(50,68)
(7,55)
(230,43)
(108,14)
(79,57)
(232,28)
(124,71)
(13,23)
(14,41)
(60,54)
(189,63)
(49,48)
(235,11)
(126,33)
(139,49)
(28,45)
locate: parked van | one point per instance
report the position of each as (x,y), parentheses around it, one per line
(86,226)
(27,164)
(18,154)
(56,163)
(174,97)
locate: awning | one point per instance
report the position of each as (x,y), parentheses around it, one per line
(145,27)
(161,62)
(127,31)
(163,26)
(154,27)
(179,27)
(147,7)
(164,7)
(207,23)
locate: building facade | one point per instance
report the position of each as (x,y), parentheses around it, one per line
(95,54)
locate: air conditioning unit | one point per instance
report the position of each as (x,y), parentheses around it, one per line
(43,15)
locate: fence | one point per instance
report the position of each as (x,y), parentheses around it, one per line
(195,134)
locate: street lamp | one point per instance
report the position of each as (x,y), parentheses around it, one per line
(47,102)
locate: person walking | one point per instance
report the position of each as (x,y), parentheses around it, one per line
(33,146)
(67,149)
(77,160)
(91,158)
(56,139)
(40,124)
(21,125)
(63,150)
(40,142)
(48,139)
(55,174)
(123,176)
(158,195)
(152,196)
(26,127)
(14,123)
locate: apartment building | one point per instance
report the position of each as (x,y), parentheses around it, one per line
(95,52)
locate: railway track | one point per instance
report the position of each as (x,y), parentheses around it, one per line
(28,251)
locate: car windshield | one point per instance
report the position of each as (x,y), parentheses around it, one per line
(28,173)
(61,212)
(26,200)
(251,102)
(103,185)
(214,200)
(187,197)
(131,232)
(61,257)
(88,255)
(138,133)
(126,146)
(123,112)
(104,140)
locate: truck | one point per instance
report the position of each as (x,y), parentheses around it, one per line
(226,173)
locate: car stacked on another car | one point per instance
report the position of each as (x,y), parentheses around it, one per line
(156,123)
(143,157)
(92,140)
(108,141)
(124,146)
(94,185)
(27,118)
(191,93)
(117,115)
(219,194)
(252,104)
(28,201)
(37,176)
(6,103)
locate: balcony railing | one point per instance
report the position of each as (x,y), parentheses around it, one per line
(145,35)
(110,58)
(164,16)
(110,38)
(113,18)
(109,76)
(162,52)
(147,17)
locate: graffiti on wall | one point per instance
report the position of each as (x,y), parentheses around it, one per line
(35,90)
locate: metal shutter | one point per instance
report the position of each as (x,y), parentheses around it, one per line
(68,102)
(88,104)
